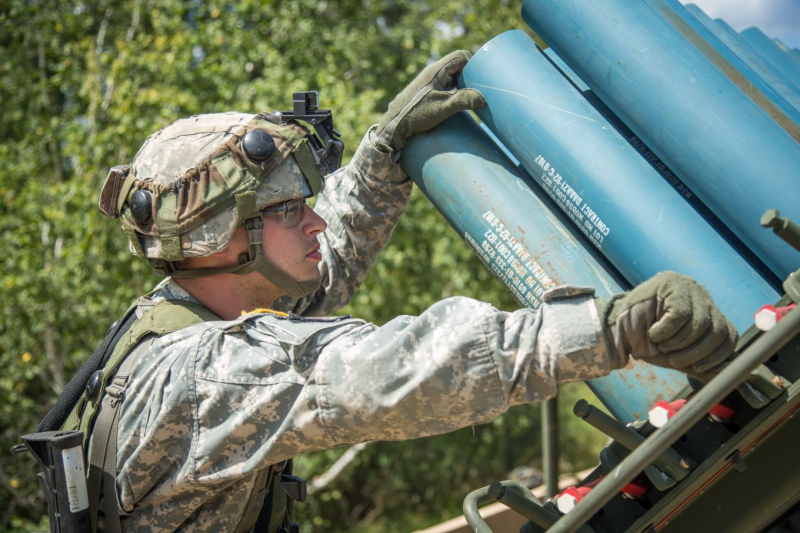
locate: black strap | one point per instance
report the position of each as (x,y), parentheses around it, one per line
(265,516)
(103,453)
(58,414)
(270,505)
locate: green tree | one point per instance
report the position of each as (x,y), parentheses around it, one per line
(82,84)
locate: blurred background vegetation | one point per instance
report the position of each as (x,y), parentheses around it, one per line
(83,83)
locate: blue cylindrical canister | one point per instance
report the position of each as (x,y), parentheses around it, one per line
(748,54)
(783,47)
(659,166)
(733,67)
(746,44)
(509,224)
(773,53)
(484,196)
(790,53)
(737,160)
(628,211)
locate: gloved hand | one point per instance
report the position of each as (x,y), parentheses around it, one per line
(669,321)
(426,102)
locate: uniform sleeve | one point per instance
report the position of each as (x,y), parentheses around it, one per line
(361,203)
(461,362)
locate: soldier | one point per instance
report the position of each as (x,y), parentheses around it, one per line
(198,421)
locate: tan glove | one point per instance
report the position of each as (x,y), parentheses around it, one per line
(669,321)
(426,102)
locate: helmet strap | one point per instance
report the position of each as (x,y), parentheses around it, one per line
(255,261)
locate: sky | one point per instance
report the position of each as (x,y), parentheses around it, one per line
(777,18)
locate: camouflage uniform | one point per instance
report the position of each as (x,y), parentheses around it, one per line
(210,405)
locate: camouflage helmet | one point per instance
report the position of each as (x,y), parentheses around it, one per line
(194,182)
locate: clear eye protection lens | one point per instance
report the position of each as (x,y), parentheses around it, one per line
(291,212)
(294,212)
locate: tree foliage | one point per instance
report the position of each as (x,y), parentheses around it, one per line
(82,84)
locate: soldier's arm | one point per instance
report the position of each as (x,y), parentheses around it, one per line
(218,401)
(361,203)
(461,362)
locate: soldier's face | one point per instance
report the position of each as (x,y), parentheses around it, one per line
(295,250)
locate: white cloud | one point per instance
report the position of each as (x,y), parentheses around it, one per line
(777,18)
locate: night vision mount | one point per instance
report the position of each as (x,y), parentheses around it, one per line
(325,146)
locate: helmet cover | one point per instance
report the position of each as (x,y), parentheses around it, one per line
(192,183)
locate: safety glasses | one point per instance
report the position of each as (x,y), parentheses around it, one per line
(292,211)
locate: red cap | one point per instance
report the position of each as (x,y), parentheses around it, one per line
(634,489)
(768,316)
(722,411)
(661,412)
(568,499)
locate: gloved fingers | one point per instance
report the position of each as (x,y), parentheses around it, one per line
(716,341)
(697,324)
(682,300)
(435,107)
(429,99)
(451,102)
(673,316)
(716,360)
(630,330)
(441,74)
(448,69)
(472,98)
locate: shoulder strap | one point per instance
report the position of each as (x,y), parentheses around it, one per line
(103,454)
(59,415)
(164,317)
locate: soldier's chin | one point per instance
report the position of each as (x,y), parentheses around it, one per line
(316,275)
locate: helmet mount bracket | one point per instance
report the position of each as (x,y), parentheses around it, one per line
(325,146)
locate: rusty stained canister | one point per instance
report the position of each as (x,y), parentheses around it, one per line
(511,225)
